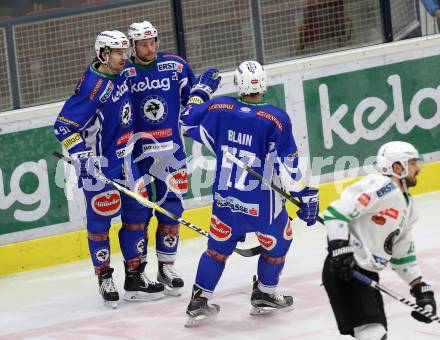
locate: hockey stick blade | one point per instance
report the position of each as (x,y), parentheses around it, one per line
(266,182)
(375,285)
(142,200)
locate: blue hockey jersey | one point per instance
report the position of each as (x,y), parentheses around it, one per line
(98,117)
(258,134)
(158,91)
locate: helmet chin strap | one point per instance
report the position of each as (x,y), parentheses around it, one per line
(404,186)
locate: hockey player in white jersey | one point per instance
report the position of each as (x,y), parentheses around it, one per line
(368,228)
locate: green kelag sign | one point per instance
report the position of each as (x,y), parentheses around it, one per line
(352,114)
(200,179)
(29,197)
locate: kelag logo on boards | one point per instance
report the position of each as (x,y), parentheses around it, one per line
(29,197)
(352,114)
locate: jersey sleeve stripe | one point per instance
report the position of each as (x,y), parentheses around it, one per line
(333,214)
(403,260)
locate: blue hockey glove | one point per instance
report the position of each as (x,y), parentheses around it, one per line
(83,168)
(207,84)
(309,199)
(424,298)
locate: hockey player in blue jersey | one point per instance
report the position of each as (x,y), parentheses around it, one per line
(95,125)
(261,135)
(160,83)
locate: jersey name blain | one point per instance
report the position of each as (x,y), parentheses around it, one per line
(239,138)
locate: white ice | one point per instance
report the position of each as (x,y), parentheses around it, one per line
(63,303)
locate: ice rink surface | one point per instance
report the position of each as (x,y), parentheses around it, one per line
(63,303)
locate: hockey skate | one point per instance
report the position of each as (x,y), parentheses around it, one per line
(138,287)
(170,278)
(107,288)
(265,303)
(199,311)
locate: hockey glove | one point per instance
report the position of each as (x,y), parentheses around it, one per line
(309,199)
(207,84)
(83,166)
(424,298)
(341,259)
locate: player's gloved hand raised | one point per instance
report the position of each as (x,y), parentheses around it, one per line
(341,259)
(309,199)
(83,168)
(207,83)
(424,298)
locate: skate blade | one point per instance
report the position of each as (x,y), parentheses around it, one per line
(194,321)
(259,311)
(111,304)
(142,296)
(169,291)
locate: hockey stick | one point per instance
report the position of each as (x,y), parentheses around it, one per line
(375,285)
(142,200)
(266,182)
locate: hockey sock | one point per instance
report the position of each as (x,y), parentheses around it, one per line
(132,242)
(211,266)
(269,269)
(167,240)
(99,247)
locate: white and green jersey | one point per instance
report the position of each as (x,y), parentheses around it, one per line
(377,218)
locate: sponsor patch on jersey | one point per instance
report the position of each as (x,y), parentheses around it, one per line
(72,140)
(380,220)
(169,66)
(124,138)
(126,114)
(221,106)
(130,72)
(156,134)
(218,230)
(95,89)
(106,203)
(122,152)
(245,109)
(120,91)
(380,260)
(158,147)
(178,181)
(237,206)
(364,199)
(163,84)
(67,121)
(385,189)
(270,117)
(391,212)
(154,109)
(79,84)
(268,242)
(107,92)
(102,255)
(389,242)
(288,230)
(195,100)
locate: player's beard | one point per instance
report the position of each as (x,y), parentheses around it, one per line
(410,181)
(145,60)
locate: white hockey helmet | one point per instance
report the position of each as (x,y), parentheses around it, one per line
(110,39)
(393,152)
(141,30)
(250,77)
